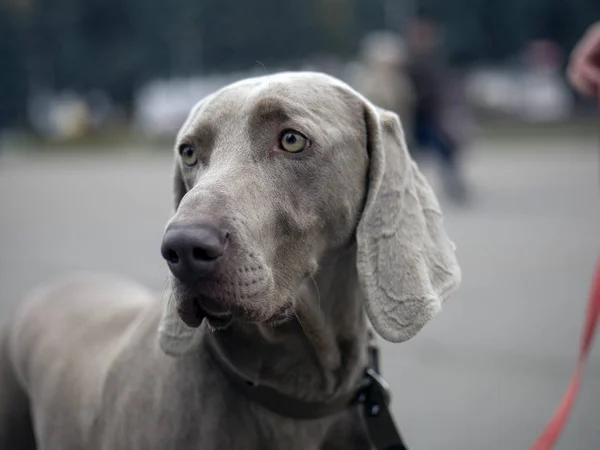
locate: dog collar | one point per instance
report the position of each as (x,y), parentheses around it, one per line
(372,394)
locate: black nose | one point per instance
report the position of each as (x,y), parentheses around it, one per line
(192,251)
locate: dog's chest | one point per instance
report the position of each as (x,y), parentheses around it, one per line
(182,403)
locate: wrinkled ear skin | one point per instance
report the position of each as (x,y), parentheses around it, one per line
(406,262)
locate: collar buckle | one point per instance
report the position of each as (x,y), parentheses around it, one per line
(375,399)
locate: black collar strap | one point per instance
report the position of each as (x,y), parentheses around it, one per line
(372,393)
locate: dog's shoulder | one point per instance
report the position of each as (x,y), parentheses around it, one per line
(74,317)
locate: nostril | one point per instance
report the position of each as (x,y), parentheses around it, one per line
(191,250)
(171,256)
(202,254)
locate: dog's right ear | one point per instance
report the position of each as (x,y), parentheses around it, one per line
(179,188)
(174,337)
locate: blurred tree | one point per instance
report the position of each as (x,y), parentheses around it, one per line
(237,34)
(115,45)
(13,73)
(335,19)
(493,30)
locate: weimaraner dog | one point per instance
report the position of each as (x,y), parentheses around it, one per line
(299,214)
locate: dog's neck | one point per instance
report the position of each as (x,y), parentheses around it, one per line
(321,352)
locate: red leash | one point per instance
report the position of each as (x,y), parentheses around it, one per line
(552,432)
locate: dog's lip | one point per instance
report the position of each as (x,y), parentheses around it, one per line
(216,319)
(194,310)
(219,323)
(218,315)
(212,307)
(190,312)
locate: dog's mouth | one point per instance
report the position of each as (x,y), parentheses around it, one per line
(192,312)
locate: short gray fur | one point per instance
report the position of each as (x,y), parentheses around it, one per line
(347,227)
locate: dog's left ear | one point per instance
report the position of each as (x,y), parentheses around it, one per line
(406,262)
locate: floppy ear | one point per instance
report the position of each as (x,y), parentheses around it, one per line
(406,262)
(179,189)
(174,336)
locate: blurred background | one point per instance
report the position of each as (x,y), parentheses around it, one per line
(73,68)
(93,91)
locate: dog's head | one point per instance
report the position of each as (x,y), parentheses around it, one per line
(273,175)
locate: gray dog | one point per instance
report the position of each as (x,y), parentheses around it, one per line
(299,213)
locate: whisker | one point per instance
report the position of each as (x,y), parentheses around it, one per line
(312,278)
(263,66)
(162,293)
(285,282)
(299,321)
(170,297)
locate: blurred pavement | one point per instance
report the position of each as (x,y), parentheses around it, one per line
(486,374)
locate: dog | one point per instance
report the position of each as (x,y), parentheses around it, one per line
(299,217)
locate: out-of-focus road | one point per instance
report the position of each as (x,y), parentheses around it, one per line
(486,374)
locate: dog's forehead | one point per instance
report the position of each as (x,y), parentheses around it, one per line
(298,94)
(302,87)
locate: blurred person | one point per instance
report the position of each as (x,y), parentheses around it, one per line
(457,116)
(584,66)
(382,77)
(544,96)
(431,128)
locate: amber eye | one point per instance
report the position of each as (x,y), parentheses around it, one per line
(188,155)
(293,142)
